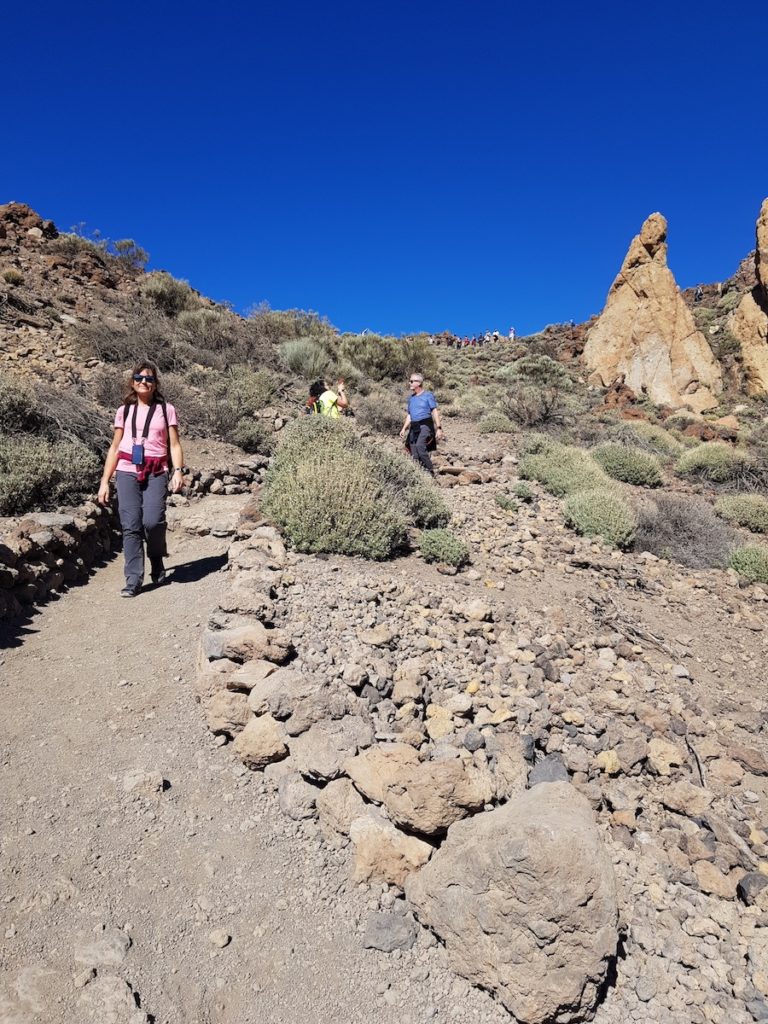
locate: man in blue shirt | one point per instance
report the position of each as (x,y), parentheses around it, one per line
(422,424)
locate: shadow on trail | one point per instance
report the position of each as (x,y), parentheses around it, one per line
(191,572)
(14,631)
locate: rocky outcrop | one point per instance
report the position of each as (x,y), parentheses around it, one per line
(749,322)
(646,336)
(524,899)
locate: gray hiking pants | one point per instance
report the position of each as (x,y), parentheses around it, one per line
(142,515)
(418,439)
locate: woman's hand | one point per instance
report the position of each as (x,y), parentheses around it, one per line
(177,481)
(103,496)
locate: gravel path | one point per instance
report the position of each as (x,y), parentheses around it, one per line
(96,692)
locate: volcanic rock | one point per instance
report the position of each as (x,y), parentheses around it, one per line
(749,321)
(646,336)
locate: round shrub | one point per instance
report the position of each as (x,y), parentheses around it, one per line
(36,473)
(714,461)
(252,436)
(444,547)
(751,562)
(656,438)
(563,470)
(381,411)
(306,358)
(601,513)
(523,492)
(749,510)
(331,490)
(630,465)
(168,294)
(684,529)
(496,423)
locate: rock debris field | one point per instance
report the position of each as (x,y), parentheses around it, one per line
(306,788)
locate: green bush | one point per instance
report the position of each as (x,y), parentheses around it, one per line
(252,436)
(13,276)
(601,513)
(496,422)
(36,473)
(331,490)
(214,329)
(523,492)
(506,502)
(751,562)
(128,252)
(19,408)
(536,389)
(563,470)
(381,411)
(381,357)
(630,465)
(748,510)
(649,436)
(168,294)
(306,358)
(444,547)
(684,529)
(714,461)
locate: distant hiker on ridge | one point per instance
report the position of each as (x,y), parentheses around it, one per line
(422,424)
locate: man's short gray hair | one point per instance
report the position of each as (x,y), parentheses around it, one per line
(418,376)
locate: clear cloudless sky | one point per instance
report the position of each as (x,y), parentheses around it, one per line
(398,167)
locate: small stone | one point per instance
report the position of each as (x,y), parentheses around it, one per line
(143,783)
(549,769)
(108,950)
(473,740)
(608,762)
(750,886)
(645,989)
(388,931)
(220,938)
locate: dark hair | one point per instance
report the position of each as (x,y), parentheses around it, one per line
(317,389)
(129,395)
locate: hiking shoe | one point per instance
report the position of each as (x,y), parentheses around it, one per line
(130,590)
(159,575)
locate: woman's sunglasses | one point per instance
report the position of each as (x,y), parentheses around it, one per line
(145,378)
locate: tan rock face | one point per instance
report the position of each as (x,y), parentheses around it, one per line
(646,333)
(384,853)
(749,321)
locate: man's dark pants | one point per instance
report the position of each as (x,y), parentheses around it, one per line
(142,515)
(418,439)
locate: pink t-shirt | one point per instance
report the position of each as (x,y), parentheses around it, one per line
(156,443)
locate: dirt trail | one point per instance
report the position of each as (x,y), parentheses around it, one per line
(93,689)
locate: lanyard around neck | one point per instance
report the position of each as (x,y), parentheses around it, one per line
(145,430)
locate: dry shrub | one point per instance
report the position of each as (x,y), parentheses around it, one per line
(167,293)
(630,465)
(683,529)
(381,411)
(601,513)
(331,490)
(36,473)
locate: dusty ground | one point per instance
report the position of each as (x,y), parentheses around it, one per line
(94,688)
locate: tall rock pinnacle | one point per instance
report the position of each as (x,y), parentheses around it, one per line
(646,333)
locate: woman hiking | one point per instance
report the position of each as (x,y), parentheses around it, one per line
(145,456)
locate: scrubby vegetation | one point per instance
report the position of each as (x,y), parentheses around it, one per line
(535,390)
(560,468)
(381,411)
(647,436)
(523,492)
(496,423)
(601,513)
(13,276)
(37,473)
(683,529)
(751,562)
(630,465)
(506,502)
(444,547)
(748,510)
(714,461)
(330,490)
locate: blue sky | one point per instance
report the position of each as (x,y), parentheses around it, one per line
(394,167)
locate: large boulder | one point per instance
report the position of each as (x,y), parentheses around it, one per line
(421,796)
(646,336)
(524,898)
(749,321)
